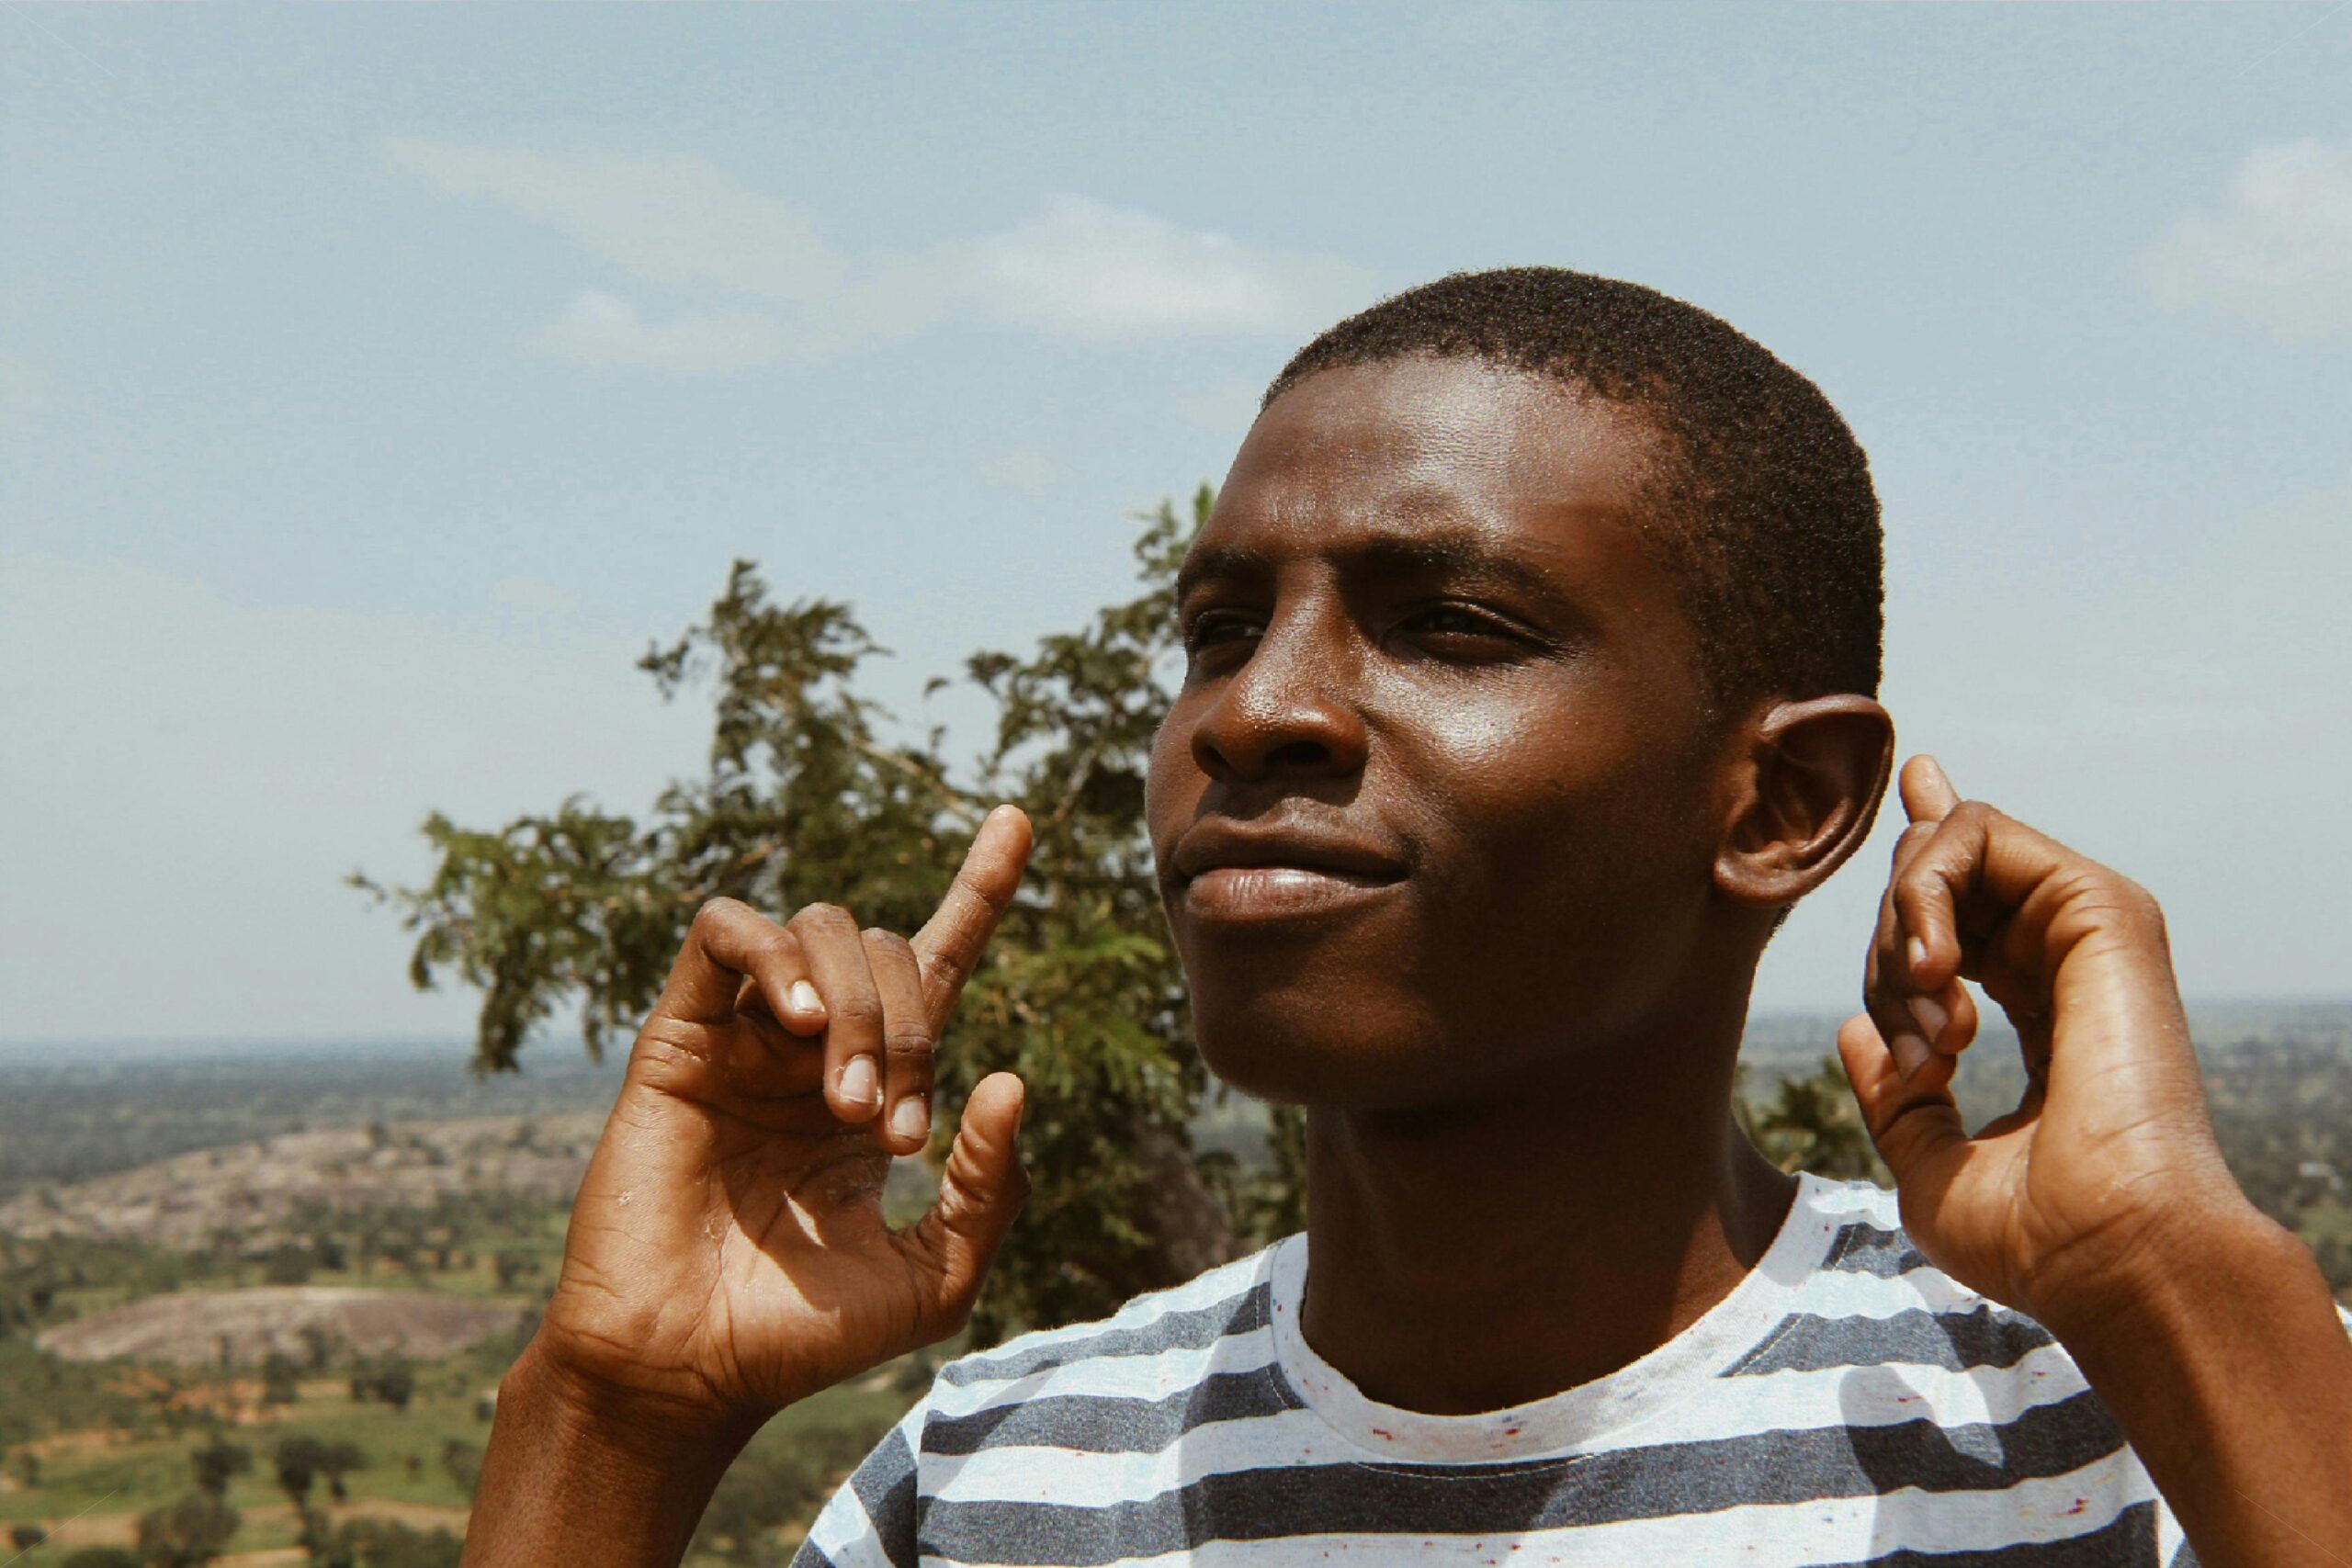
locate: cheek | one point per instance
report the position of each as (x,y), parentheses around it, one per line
(1565,821)
(1172,782)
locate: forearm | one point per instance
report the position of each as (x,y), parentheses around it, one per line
(2230,1375)
(570,1477)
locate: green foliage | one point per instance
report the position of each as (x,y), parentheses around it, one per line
(773,1485)
(24,1535)
(187,1533)
(102,1557)
(219,1462)
(814,794)
(389,1378)
(337,1459)
(1813,1124)
(280,1379)
(462,1460)
(298,1461)
(378,1543)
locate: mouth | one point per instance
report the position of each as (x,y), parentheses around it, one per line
(1225,874)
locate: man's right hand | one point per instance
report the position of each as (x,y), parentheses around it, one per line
(728,1253)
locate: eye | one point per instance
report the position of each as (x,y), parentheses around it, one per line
(1463,631)
(1213,628)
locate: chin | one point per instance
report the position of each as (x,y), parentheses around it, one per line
(1301,1047)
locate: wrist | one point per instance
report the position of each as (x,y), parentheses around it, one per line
(2200,1260)
(624,1427)
(579,1470)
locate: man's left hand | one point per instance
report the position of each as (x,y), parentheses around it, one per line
(2107,1168)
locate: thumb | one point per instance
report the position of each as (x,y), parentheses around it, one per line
(1914,1122)
(980,1191)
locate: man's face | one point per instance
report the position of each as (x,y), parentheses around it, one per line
(1433,805)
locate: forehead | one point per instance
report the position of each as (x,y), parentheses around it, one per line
(1513,464)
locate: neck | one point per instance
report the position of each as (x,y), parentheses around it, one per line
(1490,1254)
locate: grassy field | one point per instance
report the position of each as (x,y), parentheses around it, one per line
(94,1481)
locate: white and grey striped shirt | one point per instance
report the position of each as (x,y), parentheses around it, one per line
(1846,1403)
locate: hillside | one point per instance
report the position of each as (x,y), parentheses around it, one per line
(255,1194)
(209,1328)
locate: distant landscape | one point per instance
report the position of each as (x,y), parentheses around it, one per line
(256,1303)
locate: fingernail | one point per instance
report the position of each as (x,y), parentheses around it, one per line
(804,998)
(1910,1051)
(1936,772)
(1931,1016)
(911,1119)
(1916,950)
(859,1084)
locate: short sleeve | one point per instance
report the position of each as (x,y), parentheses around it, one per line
(870,1522)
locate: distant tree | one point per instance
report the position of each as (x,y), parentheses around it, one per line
(512,1267)
(281,1379)
(462,1460)
(297,1461)
(26,1535)
(389,1378)
(187,1533)
(814,794)
(103,1557)
(337,1459)
(1813,1124)
(288,1265)
(388,1543)
(218,1462)
(773,1483)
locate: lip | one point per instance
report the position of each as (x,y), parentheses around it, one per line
(1229,875)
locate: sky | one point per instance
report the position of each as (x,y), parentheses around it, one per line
(377,383)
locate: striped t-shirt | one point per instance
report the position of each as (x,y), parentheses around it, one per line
(1846,1403)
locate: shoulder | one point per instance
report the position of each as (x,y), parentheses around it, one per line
(1196,1316)
(1874,1300)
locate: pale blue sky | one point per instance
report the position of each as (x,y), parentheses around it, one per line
(374,383)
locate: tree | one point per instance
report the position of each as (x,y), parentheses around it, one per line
(388,1377)
(337,1459)
(382,1543)
(26,1535)
(814,793)
(218,1462)
(187,1533)
(299,1461)
(280,1379)
(1813,1124)
(462,1460)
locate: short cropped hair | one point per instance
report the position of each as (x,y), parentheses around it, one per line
(1767,514)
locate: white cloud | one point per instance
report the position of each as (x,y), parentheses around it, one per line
(1078,268)
(1228,410)
(601,329)
(1029,472)
(1082,269)
(676,220)
(2276,254)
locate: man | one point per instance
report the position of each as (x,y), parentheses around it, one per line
(1532,650)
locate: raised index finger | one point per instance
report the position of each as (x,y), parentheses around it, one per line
(949,945)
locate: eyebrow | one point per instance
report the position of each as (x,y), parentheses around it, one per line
(1459,553)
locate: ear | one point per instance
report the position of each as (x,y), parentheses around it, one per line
(1804,788)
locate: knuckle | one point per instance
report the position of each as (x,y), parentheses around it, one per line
(880,939)
(827,916)
(717,911)
(907,1041)
(859,1012)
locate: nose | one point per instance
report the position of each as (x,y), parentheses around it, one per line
(1290,708)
